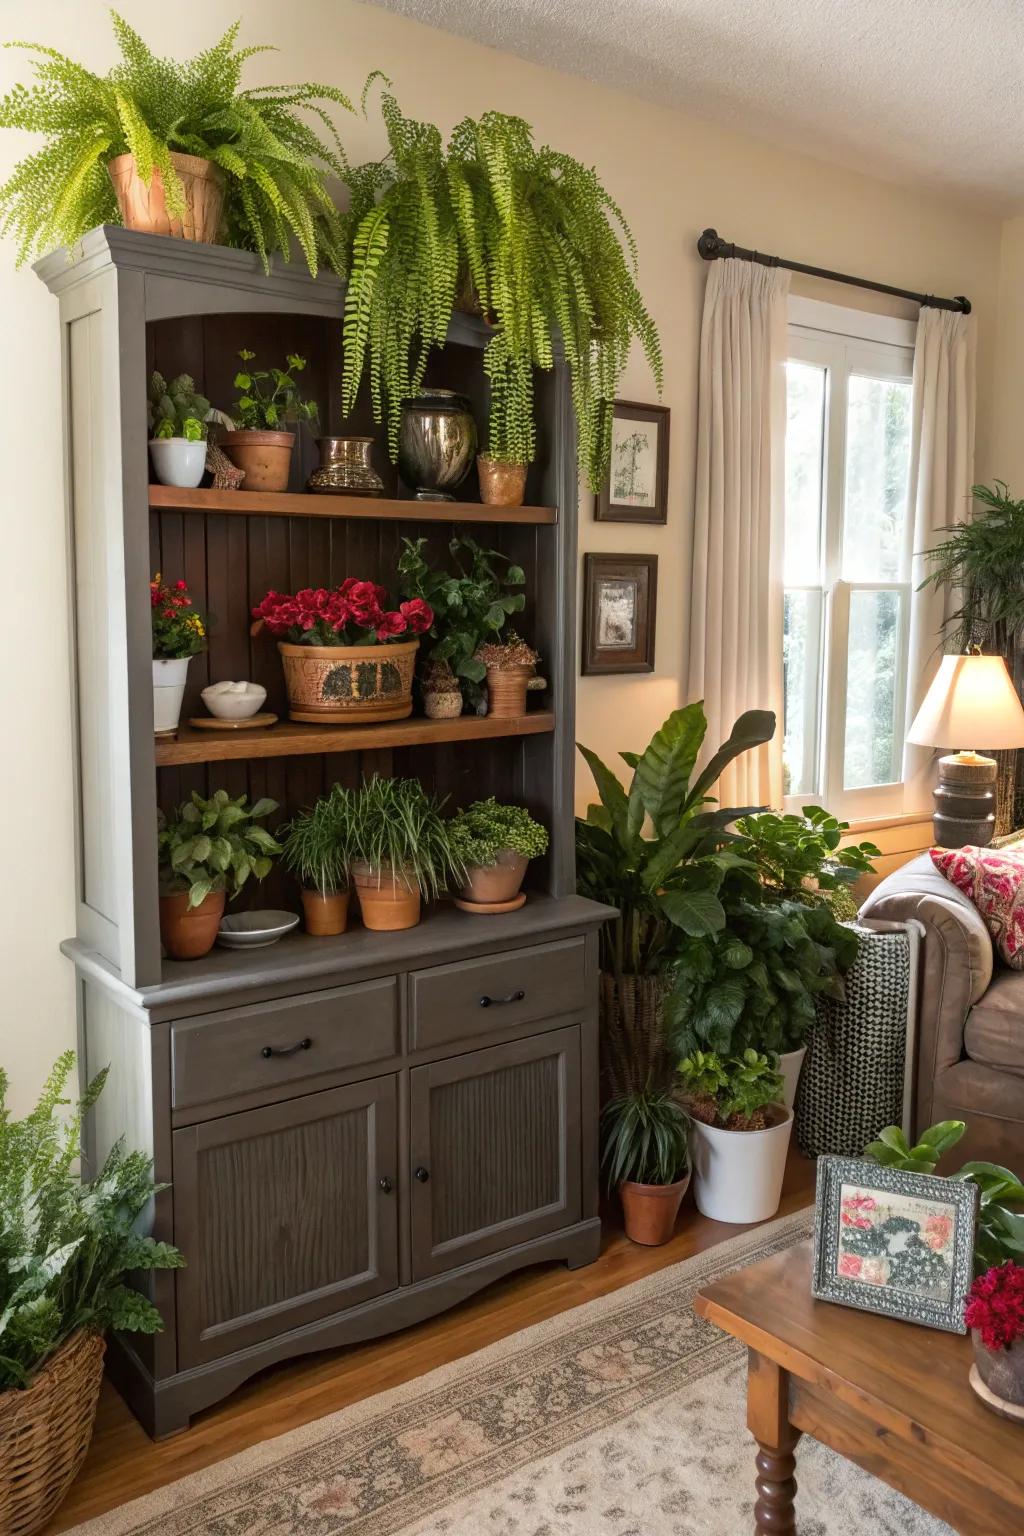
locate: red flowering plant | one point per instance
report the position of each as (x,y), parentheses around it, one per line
(995,1305)
(352,614)
(178,630)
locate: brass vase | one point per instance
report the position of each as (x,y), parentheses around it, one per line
(346,468)
(436,443)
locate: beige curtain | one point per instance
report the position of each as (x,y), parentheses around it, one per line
(735,660)
(941,476)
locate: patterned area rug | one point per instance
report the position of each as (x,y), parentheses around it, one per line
(623,1417)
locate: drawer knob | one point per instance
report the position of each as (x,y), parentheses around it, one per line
(385,1185)
(285,1050)
(422,1175)
(496,1002)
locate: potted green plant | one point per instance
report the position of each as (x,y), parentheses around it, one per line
(316,850)
(401,852)
(177,430)
(270,403)
(645,1137)
(207,850)
(178,634)
(442,696)
(495,843)
(509,665)
(741,1131)
(173,149)
(67,1249)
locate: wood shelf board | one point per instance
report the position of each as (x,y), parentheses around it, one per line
(291,739)
(309,504)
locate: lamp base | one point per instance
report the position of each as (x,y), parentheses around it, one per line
(965,801)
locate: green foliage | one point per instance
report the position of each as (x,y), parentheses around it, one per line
(486,829)
(792,851)
(730,1091)
(397,828)
(317,843)
(644,1138)
(176,409)
(274,162)
(214,845)
(65,1246)
(272,408)
(980,563)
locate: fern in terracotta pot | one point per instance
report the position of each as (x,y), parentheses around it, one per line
(316,848)
(645,1156)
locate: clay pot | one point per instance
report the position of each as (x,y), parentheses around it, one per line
(496,882)
(387,902)
(265,457)
(342,684)
(325,915)
(145,208)
(443,706)
(506,692)
(190,932)
(1002,1373)
(650,1210)
(502,484)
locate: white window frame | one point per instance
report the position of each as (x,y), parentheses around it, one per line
(846,341)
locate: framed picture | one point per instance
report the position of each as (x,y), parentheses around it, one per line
(619,604)
(893,1242)
(636,489)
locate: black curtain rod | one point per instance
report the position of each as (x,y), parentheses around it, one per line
(712,247)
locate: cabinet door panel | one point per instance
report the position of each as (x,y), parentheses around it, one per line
(496,1133)
(281,1216)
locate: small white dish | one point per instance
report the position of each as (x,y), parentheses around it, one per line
(234,701)
(255,930)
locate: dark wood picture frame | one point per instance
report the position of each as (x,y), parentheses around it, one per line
(634,652)
(606,509)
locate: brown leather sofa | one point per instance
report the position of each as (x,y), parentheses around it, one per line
(969,1056)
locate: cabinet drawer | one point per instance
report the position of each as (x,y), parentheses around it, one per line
(473,997)
(220,1054)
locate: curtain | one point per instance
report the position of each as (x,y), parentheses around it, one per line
(736,606)
(941,476)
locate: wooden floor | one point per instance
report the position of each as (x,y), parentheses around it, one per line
(123,1462)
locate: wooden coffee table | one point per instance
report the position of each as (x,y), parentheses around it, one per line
(891,1396)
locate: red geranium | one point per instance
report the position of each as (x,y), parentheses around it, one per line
(995,1305)
(352,614)
(418,615)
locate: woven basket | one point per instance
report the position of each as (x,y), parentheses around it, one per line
(45,1432)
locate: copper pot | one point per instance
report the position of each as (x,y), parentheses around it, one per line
(506,692)
(145,208)
(325,915)
(650,1210)
(346,468)
(502,484)
(187,932)
(496,882)
(265,457)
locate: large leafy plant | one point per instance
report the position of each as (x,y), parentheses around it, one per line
(798,856)
(65,1246)
(644,1139)
(214,845)
(732,1092)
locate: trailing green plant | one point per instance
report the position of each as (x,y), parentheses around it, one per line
(273,160)
(271,408)
(800,856)
(644,1138)
(316,844)
(471,602)
(506,655)
(980,562)
(732,1091)
(66,1246)
(398,829)
(486,829)
(176,409)
(214,845)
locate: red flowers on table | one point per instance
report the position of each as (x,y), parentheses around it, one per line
(995,1305)
(352,614)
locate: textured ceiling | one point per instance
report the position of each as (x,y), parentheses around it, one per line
(929,92)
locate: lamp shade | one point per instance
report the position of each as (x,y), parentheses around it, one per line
(971,703)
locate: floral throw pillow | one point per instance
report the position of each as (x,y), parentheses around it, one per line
(993,879)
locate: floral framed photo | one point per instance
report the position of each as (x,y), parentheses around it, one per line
(619,610)
(636,486)
(894,1242)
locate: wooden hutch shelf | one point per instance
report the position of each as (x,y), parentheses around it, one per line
(292,739)
(308,504)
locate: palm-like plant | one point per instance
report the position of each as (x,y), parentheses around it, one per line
(644,1139)
(981,561)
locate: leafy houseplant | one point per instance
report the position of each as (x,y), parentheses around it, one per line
(208,849)
(495,843)
(741,1133)
(800,856)
(270,404)
(401,852)
(509,665)
(179,633)
(644,1155)
(316,846)
(177,430)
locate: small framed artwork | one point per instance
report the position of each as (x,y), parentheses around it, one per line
(619,610)
(893,1242)
(636,487)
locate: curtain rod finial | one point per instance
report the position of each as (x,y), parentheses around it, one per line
(709,245)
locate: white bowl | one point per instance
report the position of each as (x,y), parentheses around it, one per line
(234,701)
(255,930)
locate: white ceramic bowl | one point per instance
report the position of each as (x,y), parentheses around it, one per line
(234,701)
(255,930)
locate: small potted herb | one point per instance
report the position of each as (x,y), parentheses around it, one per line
(178,635)
(442,696)
(261,444)
(208,849)
(995,1316)
(316,850)
(644,1155)
(509,666)
(741,1131)
(177,430)
(402,852)
(495,843)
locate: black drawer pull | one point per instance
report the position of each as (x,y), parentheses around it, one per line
(496,1002)
(422,1175)
(285,1050)
(385,1185)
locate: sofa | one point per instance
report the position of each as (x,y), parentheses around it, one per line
(969,1053)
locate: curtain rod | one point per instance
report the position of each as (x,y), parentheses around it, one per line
(712,247)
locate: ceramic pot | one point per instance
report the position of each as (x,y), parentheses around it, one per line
(436,443)
(265,457)
(345,468)
(650,1210)
(1002,1373)
(502,484)
(187,932)
(325,915)
(145,208)
(496,882)
(169,679)
(347,684)
(177,461)
(790,1064)
(443,706)
(506,692)
(387,902)
(738,1174)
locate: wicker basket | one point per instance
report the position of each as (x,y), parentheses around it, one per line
(45,1432)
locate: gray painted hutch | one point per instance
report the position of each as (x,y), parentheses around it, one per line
(440,1130)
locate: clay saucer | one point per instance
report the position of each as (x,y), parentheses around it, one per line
(491,908)
(250,723)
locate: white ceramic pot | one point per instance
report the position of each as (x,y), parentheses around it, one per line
(168,692)
(177,461)
(737,1175)
(790,1063)
(234,701)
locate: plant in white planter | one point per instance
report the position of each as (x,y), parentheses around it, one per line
(741,1131)
(177,430)
(178,635)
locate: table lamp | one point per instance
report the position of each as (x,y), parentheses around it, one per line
(972,699)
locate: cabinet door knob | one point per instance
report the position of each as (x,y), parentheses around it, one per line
(285,1050)
(422,1175)
(496,1002)
(385,1185)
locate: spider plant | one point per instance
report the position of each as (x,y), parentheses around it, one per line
(317,843)
(398,830)
(644,1139)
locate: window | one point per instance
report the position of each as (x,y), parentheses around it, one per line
(847,560)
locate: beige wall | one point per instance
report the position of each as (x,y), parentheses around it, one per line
(672,174)
(1006,459)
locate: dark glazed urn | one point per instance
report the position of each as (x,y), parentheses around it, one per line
(436,443)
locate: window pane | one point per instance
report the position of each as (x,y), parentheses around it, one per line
(805,441)
(874,747)
(877,461)
(801,652)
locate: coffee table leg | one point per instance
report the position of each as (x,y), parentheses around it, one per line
(768,1422)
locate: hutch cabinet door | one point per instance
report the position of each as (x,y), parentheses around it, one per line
(285,1215)
(494,1148)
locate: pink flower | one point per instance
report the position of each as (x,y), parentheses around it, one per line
(938,1230)
(419,615)
(850,1265)
(390,625)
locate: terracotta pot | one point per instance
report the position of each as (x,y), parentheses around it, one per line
(506,692)
(443,706)
(342,684)
(501,484)
(265,457)
(190,932)
(386,902)
(325,915)
(145,208)
(496,882)
(1002,1372)
(650,1210)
